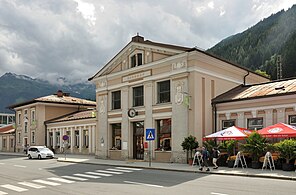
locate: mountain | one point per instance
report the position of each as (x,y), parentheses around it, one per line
(19,88)
(270,42)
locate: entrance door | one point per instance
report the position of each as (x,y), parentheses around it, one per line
(138,140)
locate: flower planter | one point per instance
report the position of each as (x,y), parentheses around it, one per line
(256,165)
(288,167)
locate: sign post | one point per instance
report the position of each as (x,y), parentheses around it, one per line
(65,143)
(150,136)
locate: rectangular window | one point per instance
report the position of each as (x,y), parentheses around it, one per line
(255,123)
(19,118)
(11,142)
(136,60)
(116,136)
(77,139)
(140,61)
(4,143)
(292,120)
(85,138)
(163,92)
(33,137)
(58,136)
(133,61)
(26,112)
(164,134)
(116,100)
(228,123)
(19,137)
(138,96)
(26,127)
(32,115)
(11,119)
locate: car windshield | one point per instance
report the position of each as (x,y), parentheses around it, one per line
(44,150)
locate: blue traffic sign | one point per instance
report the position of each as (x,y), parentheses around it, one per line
(150,134)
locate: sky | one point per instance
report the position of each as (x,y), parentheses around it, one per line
(73,39)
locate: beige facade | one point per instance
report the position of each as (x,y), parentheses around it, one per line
(31,115)
(170,88)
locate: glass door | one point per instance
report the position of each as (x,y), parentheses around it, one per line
(138,140)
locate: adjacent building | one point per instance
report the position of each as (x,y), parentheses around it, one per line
(7,138)
(6,119)
(165,87)
(258,105)
(31,116)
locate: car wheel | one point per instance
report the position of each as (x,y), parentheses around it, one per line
(29,156)
(39,157)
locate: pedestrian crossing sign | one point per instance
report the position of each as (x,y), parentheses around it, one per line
(150,134)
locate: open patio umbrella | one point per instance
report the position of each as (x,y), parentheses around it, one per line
(278,130)
(235,133)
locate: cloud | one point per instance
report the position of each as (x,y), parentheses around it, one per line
(74,38)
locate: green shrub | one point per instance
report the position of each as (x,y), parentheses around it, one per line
(287,149)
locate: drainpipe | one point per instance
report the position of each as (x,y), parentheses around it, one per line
(45,134)
(245,77)
(214,107)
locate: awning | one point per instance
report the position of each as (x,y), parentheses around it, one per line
(231,133)
(278,130)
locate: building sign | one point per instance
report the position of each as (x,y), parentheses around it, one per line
(136,76)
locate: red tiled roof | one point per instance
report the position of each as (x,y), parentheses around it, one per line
(86,114)
(7,129)
(61,99)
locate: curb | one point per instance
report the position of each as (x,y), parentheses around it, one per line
(190,171)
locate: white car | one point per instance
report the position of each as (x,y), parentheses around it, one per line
(40,152)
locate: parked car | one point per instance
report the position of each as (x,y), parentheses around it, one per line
(40,152)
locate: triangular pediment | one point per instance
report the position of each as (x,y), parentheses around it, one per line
(149,52)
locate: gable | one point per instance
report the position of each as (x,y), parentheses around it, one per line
(147,51)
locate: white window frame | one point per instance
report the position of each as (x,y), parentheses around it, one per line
(136,53)
(290,119)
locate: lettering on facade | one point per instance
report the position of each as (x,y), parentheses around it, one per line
(179,65)
(179,96)
(136,76)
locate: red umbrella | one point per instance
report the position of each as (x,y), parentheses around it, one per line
(278,130)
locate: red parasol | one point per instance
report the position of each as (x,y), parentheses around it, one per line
(278,130)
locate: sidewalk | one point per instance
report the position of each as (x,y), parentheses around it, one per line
(248,172)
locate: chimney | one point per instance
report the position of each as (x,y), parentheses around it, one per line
(138,38)
(60,93)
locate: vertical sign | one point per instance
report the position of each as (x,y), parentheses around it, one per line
(150,136)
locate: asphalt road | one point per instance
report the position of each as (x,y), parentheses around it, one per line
(19,175)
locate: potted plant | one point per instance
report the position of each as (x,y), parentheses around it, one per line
(255,145)
(229,145)
(189,144)
(287,149)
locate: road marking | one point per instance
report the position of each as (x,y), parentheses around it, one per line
(75,178)
(20,166)
(46,182)
(88,176)
(2,193)
(127,168)
(216,193)
(144,184)
(32,185)
(125,171)
(60,180)
(100,174)
(14,188)
(111,172)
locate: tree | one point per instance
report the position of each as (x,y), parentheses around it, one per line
(189,144)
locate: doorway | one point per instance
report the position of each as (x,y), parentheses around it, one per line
(138,140)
